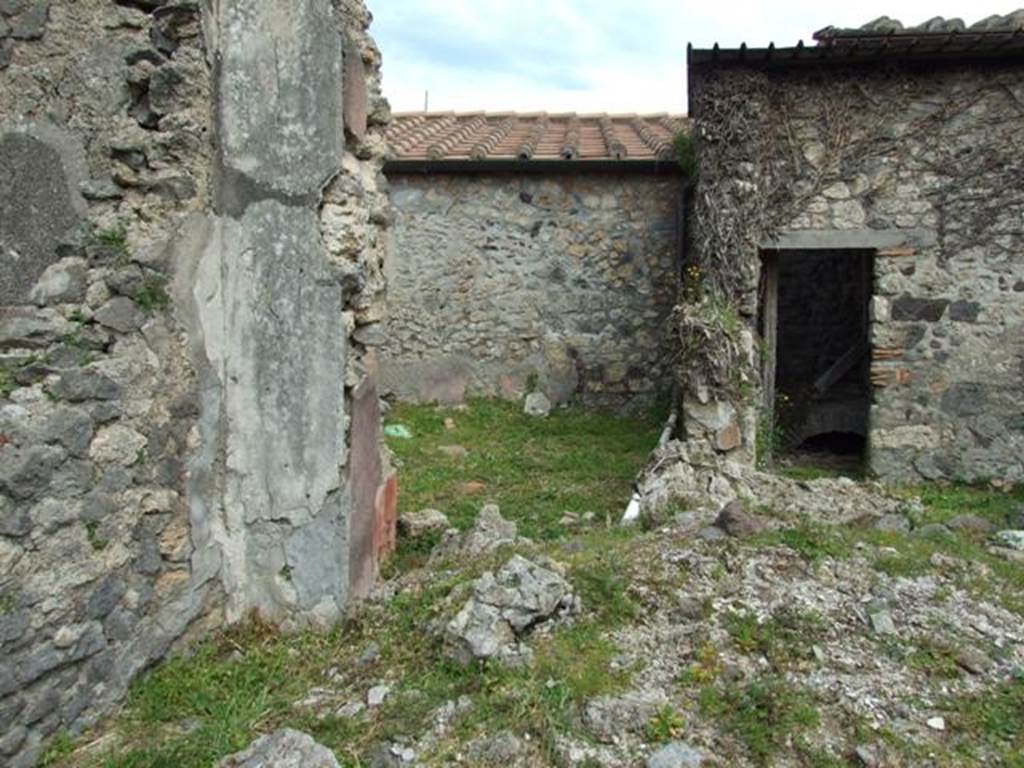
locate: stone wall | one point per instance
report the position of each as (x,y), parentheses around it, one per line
(176,301)
(499,279)
(922,166)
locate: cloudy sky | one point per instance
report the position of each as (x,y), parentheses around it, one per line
(595,55)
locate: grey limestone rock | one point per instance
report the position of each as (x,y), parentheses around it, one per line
(882,623)
(504,607)
(676,754)
(1011,539)
(971,524)
(537,404)
(286,748)
(26,472)
(120,314)
(608,717)
(64,281)
(29,327)
(736,521)
(502,750)
(491,531)
(30,23)
(892,523)
(81,384)
(418,524)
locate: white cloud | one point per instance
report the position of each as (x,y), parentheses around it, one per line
(593,55)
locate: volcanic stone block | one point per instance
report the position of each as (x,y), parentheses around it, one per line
(39,174)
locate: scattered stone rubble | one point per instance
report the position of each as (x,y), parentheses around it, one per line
(683,477)
(504,608)
(490,532)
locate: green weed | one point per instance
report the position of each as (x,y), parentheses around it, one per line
(60,747)
(785,638)
(764,714)
(152,295)
(92,534)
(989,724)
(666,725)
(7,383)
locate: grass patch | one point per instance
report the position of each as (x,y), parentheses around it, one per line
(537,470)
(60,747)
(191,711)
(599,577)
(543,701)
(812,541)
(786,638)
(113,240)
(92,534)
(809,472)
(989,726)
(934,658)
(7,383)
(766,715)
(943,502)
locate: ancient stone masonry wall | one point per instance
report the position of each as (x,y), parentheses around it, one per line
(104,150)
(499,279)
(176,302)
(354,217)
(923,166)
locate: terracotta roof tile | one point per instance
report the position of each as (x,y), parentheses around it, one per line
(524,136)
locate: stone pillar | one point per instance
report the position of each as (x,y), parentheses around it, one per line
(269,339)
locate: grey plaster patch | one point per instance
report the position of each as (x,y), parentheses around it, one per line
(265,301)
(280,108)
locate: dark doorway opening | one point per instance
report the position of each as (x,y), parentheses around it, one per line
(816,329)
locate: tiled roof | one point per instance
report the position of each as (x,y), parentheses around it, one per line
(882,26)
(439,136)
(881,41)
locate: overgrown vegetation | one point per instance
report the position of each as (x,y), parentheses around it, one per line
(193,710)
(686,154)
(914,555)
(708,330)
